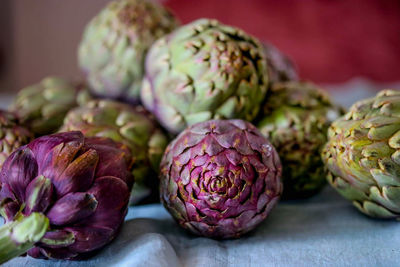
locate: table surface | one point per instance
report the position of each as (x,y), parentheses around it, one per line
(325,230)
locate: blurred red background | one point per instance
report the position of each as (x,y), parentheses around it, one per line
(330,40)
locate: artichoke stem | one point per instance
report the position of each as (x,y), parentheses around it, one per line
(20,235)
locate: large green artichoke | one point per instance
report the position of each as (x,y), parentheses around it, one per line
(295,118)
(132,126)
(363,155)
(12,135)
(280,67)
(201,71)
(114,45)
(220,178)
(43,106)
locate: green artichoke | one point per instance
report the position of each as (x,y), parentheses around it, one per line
(295,118)
(280,67)
(12,135)
(201,71)
(363,155)
(220,178)
(132,126)
(114,45)
(43,106)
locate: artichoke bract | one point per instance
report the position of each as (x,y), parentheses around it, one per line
(363,155)
(42,107)
(280,67)
(220,178)
(201,71)
(132,126)
(12,135)
(63,196)
(295,118)
(114,45)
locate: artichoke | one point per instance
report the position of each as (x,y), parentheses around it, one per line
(134,127)
(220,178)
(363,155)
(63,196)
(42,107)
(295,118)
(201,71)
(12,135)
(115,43)
(280,67)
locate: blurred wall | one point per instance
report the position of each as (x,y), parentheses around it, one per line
(331,41)
(45,34)
(6,48)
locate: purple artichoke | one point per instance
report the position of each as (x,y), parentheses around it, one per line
(280,67)
(79,186)
(220,178)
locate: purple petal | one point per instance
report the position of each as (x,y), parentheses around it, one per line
(90,238)
(42,145)
(9,209)
(38,195)
(36,253)
(112,195)
(72,208)
(8,203)
(6,193)
(96,231)
(57,239)
(79,174)
(18,170)
(58,253)
(114,159)
(58,158)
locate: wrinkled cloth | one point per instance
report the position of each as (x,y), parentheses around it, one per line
(325,230)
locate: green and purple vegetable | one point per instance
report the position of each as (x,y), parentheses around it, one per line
(295,118)
(43,106)
(204,70)
(114,46)
(63,196)
(280,67)
(363,155)
(220,178)
(12,135)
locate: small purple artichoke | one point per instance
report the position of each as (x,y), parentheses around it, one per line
(280,67)
(220,178)
(81,185)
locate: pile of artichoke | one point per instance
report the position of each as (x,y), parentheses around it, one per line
(204,117)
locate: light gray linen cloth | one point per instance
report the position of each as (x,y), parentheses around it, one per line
(325,230)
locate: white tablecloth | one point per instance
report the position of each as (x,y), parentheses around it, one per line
(322,231)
